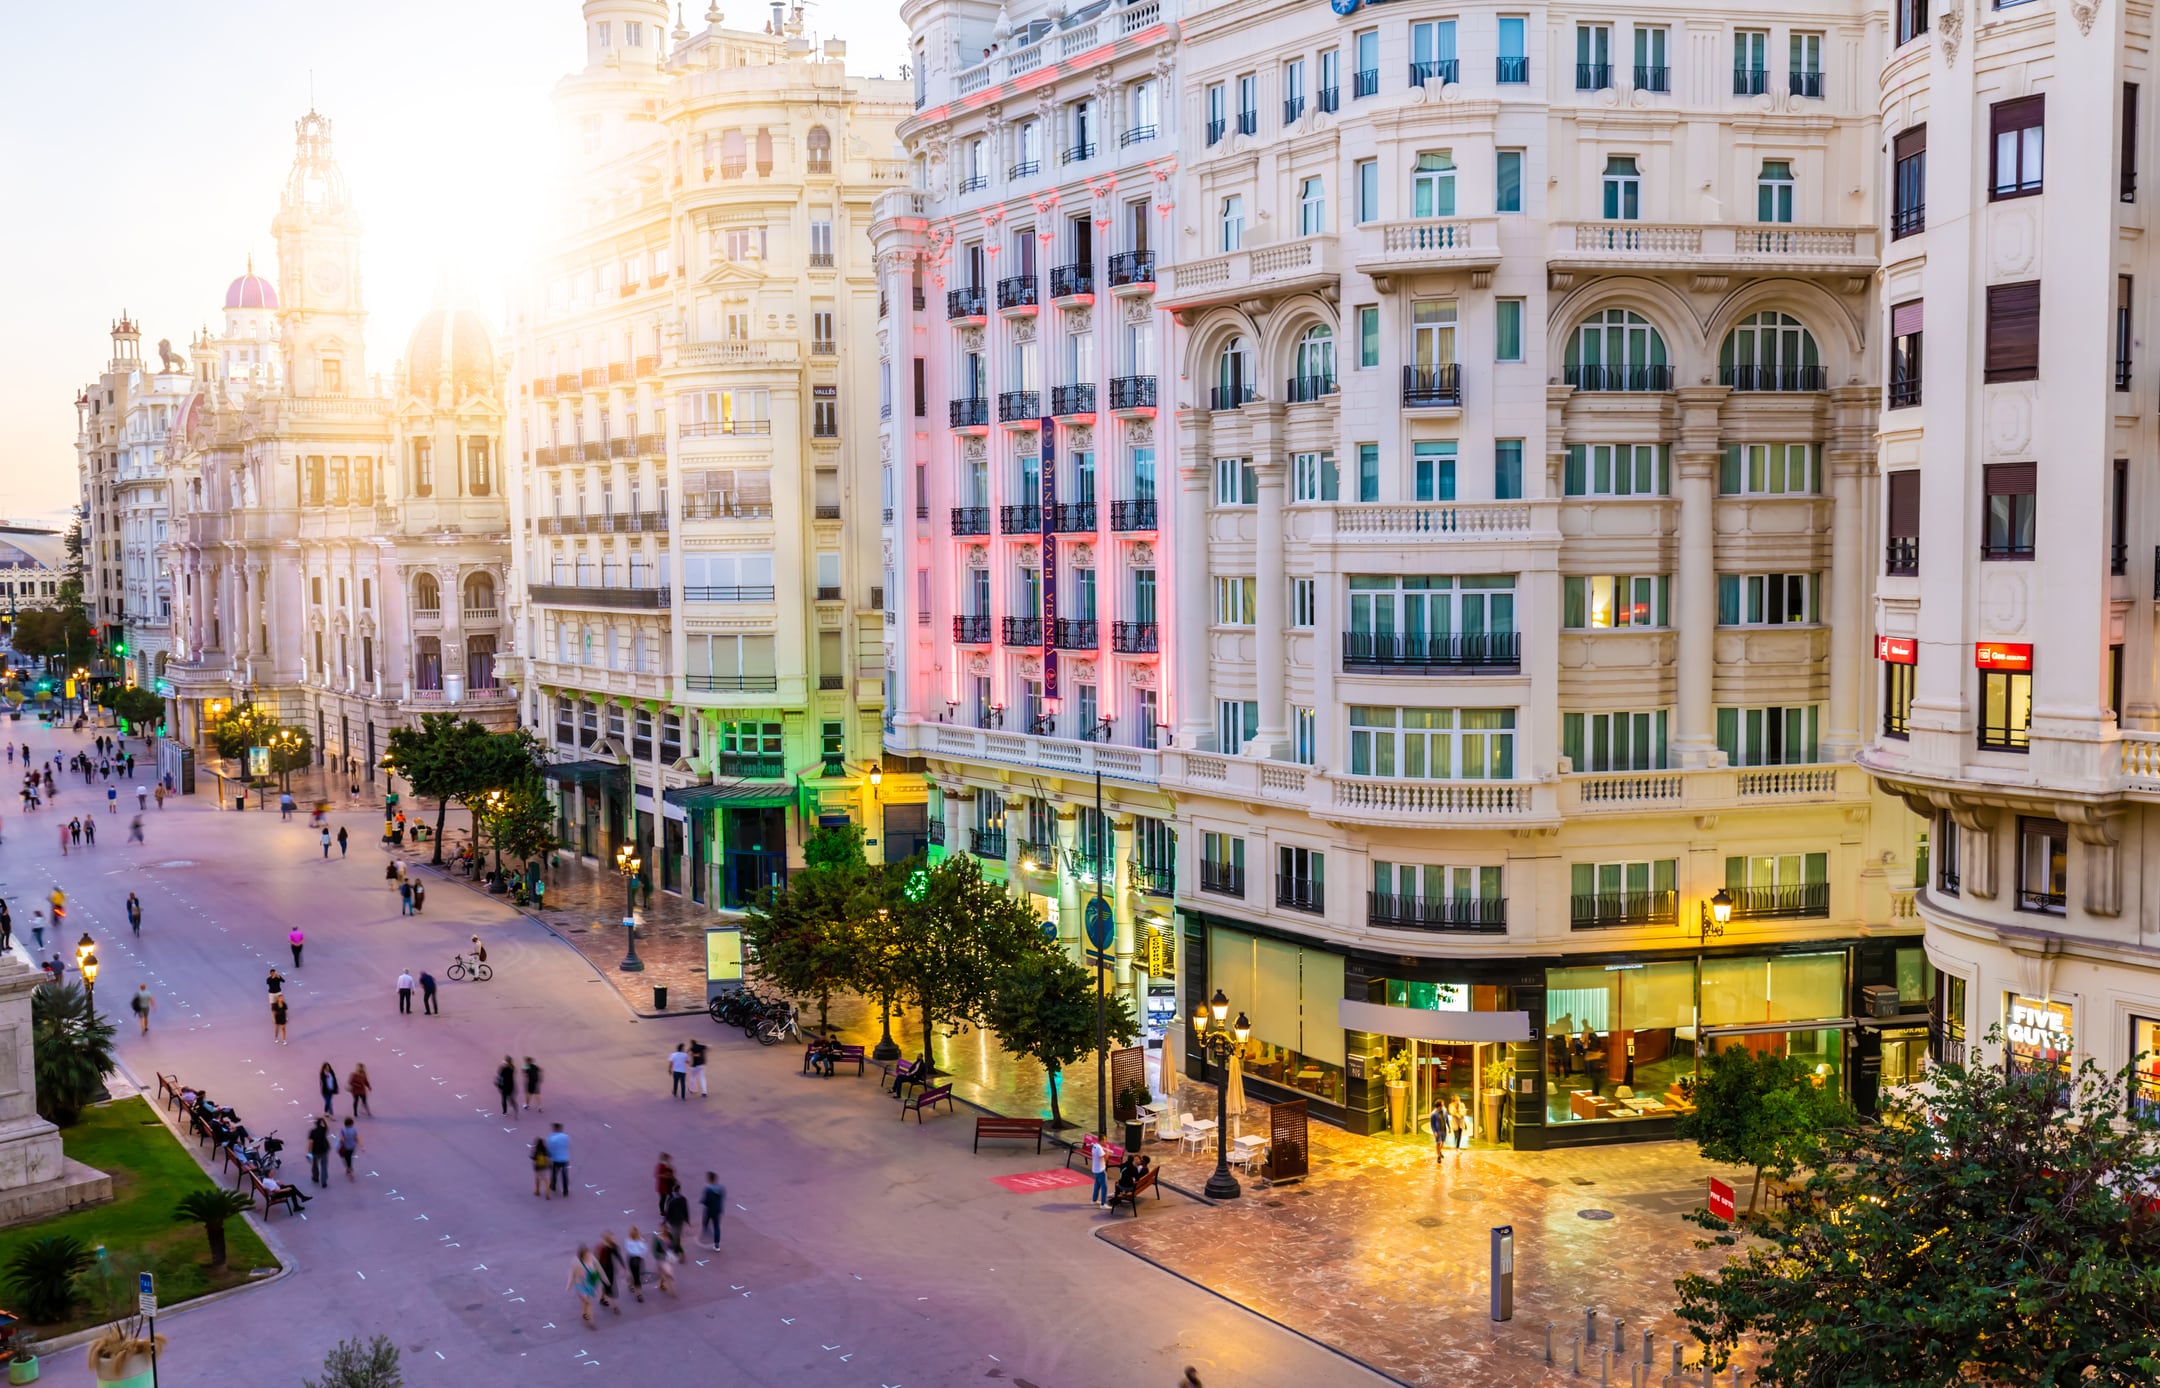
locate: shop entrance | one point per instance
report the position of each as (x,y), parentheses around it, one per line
(1445,1071)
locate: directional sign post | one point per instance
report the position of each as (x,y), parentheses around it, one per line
(146,1304)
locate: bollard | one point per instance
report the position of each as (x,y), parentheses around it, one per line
(1589,1325)
(1577,1370)
(1548,1342)
(1709,1375)
(1635,1376)
(1646,1355)
(1604,1373)
(1619,1336)
(1679,1363)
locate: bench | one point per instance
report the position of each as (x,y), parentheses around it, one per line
(169,1089)
(1113,1155)
(845,1056)
(1018,1129)
(926,1098)
(1132,1197)
(288,1196)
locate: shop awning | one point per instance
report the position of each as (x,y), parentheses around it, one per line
(1424,1024)
(587,773)
(735,795)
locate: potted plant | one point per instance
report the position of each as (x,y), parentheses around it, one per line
(1499,1081)
(22,1358)
(1396,1071)
(1129,1100)
(122,1353)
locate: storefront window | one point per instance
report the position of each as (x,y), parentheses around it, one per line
(1619,1039)
(1904,1055)
(2038,1032)
(1421,1072)
(2145,1067)
(1820,1049)
(1781,988)
(1293,998)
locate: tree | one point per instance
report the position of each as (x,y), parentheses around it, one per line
(1042,1004)
(1764,1111)
(42,1275)
(519,821)
(356,1365)
(141,707)
(950,939)
(72,1050)
(807,933)
(211,1207)
(437,759)
(244,726)
(2001,1229)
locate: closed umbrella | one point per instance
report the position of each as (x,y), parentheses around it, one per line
(1235,1101)
(1167,1081)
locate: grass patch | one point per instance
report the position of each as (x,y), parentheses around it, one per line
(150,1171)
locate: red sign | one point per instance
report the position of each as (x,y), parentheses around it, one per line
(2002,655)
(1721,1201)
(1898,650)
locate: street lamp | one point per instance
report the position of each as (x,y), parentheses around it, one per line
(1715,912)
(285,742)
(86,962)
(1217,1040)
(627,863)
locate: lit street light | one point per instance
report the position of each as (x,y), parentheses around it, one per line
(86,961)
(1217,1041)
(627,863)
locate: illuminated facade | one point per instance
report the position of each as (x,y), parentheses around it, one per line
(123,420)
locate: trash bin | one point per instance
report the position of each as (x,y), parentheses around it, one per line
(659,997)
(240,801)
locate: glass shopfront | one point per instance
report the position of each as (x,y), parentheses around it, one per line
(2145,1066)
(1419,1073)
(1291,994)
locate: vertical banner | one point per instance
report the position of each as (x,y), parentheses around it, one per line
(1049,557)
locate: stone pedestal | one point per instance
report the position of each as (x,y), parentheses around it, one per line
(36,1179)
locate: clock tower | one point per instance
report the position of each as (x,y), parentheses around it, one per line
(321,316)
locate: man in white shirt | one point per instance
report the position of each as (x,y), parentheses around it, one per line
(678,1064)
(404,992)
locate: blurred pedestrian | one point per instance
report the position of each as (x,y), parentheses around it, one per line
(348,1145)
(558,1150)
(427,993)
(360,1086)
(713,1201)
(404,991)
(506,1084)
(609,1256)
(540,1167)
(678,1064)
(697,1066)
(296,939)
(326,1081)
(585,1281)
(279,1012)
(326,842)
(419,895)
(141,1005)
(532,1085)
(318,1150)
(134,914)
(663,1175)
(341,841)
(634,1249)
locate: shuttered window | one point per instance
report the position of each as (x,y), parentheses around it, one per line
(1906,322)
(2016,127)
(1905,504)
(2011,479)
(1908,179)
(2013,332)
(2129,141)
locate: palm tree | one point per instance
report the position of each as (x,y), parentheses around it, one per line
(211,1207)
(73,1049)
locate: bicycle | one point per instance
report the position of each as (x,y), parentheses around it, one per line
(774,1026)
(462,968)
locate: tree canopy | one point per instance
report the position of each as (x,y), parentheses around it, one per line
(1042,1004)
(950,940)
(1763,1111)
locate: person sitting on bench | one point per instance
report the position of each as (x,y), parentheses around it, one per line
(823,1052)
(918,1075)
(1128,1174)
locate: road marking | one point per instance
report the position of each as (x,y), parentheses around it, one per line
(362,1275)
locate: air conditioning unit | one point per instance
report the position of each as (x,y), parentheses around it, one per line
(1880,1000)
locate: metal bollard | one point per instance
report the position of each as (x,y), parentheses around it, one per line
(1577,1368)
(1646,1355)
(1548,1342)
(1709,1375)
(1679,1363)
(1604,1373)
(1590,1325)
(1635,1378)
(1619,1336)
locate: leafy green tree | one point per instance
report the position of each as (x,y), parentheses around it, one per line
(499,777)
(808,933)
(356,1365)
(949,941)
(519,821)
(42,1276)
(141,707)
(242,727)
(835,846)
(210,1207)
(1042,1004)
(1999,1229)
(1763,1111)
(72,1050)
(439,759)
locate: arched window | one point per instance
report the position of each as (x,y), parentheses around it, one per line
(819,146)
(1770,351)
(479,596)
(1617,350)
(426,595)
(1233,375)
(1315,363)
(1432,186)
(1233,223)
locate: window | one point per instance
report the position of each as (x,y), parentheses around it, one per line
(1770,469)
(2122,331)
(1903,522)
(1514,64)
(1912,20)
(1617,350)
(1614,741)
(1217,112)
(1368,472)
(1237,722)
(1300,879)
(1330,94)
(1464,619)
(1599,602)
(1944,842)
(1908,182)
(1623,190)
(1233,376)
(1236,484)
(1432,470)
(1804,72)
(1235,601)
(1432,186)
(2014,169)
(1368,190)
(1750,62)
(1436,744)
(1593,57)
(1304,735)
(1312,207)
(1423,894)
(1144,112)
(1507,469)
(1781,886)
(1233,222)
(1314,477)
(1368,62)
(2005,709)
(1222,864)
(1303,602)
(1770,351)
(2129,141)
(1906,322)
(2119,524)
(1293,84)
(1774,191)
(1776,736)
(1617,469)
(1768,600)
(2007,528)
(1651,72)
(1507,330)
(1507,181)
(1432,52)
(1248,104)
(1368,328)
(1897,699)
(1610,894)
(2043,865)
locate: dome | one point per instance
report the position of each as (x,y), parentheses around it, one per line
(251,291)
(452,341)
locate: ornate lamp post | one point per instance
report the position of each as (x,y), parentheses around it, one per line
(1715,913)
(1217,1041)
(627,863)
(86,962)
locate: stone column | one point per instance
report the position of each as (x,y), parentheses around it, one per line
(1695,460)
(1849,461)
(1119,893)
(1271,588)
(1186,616)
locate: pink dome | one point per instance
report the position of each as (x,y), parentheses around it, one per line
(251,291)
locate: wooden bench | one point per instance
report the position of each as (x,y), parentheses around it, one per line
(1132,1197)
(926,1098)
(287,1195)
(1113,1155)
(903,1075)
(1018,1129)
(845,1056)
(169,1089)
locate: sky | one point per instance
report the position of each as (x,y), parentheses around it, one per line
(143,145)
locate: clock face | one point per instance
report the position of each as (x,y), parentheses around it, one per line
(327,277)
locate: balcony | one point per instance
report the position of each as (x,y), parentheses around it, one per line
(1468,914)
(565,382)
(1135,638)
(970,412)
(1073,518)
(587,595)
(749,767)
(1432,387)
(1224,879)
(1292,108)
(1328,100)
(1902,555)
(1230,397)
(1024,518)
(1215,130)
(1509,72)
(987,843)
(1077,634)
(1152,879)
(1248,122)
(1803,901)
(824,347)
(1311,263)
(723,506)
(1072,282)
(1750,81)
(1137,135)
(734,167)
(970,520)
(1593,77)
(1425,653)
(1022,406)
(1618,378)
(971,631)
(1616,910)
(1022,750)
(818,165)
(1653,77)
(1023,631)
(1903,392)
(1710,791)
(1781,378)
(1132,393)
(1018,292)
(1807,84)
(1035,855)
(821,260)
(937,832)
(962,304)
(1073,400)
(732,684)
(1300,893)
(1307,390)
(828,592)
(736,353)
(974,183)
(1424,244)
(724,428)
(1366,82)
(1132,270)
(1712,248)
(737,593)
(1133,515)
(826,510)
(1394,524)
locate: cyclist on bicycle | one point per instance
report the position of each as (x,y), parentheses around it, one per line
(479,951)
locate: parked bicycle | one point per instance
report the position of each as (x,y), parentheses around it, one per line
(462,968)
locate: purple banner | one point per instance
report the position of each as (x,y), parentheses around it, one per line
(1048,465)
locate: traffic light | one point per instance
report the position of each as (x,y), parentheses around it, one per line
(119,648)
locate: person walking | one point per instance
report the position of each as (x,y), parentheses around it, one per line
(274,983)
(326,843)
(64,839)
(506,1084)
(326,1081)
(1437,1120)
(666,1252)
(348,1144)
(112,799)
(341,841)
(540,1168)
(89,833)
(678,1064)
(318,1149)
(663,1176)
(609,1256)
(404,891)
(713,1201)
(532,1086)
(279,1013)
(404,991)
(697,1066)
(285,806)
(419,895)
(360,1086)
(159,795)
(142,797)
(134,915)
(585,1281)
(135,829)
(141,1004)
(296,939)
(427,992)
(1459,1123)
(677,1215)
(634,1249)
(1099,1168)
(558,1152)
(7,927)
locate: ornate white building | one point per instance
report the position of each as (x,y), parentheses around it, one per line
(123,420)
(338,540)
